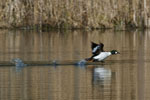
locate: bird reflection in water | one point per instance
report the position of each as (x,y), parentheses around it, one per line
(101,75)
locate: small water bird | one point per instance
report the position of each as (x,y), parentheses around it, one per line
(98,54)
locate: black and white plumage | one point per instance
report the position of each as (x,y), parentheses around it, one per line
(98,53)
(97,48)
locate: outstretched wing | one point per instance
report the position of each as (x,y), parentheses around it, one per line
(97,48)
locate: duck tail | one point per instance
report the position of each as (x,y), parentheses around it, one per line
(90,59)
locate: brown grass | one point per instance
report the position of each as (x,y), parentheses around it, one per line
(118,14)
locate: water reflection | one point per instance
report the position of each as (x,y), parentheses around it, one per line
(70,45)
(101,75)
(124,76)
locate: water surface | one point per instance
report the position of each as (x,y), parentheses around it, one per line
(120,77)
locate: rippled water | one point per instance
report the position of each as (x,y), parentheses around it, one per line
(120,77)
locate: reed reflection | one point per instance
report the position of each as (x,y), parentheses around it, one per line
(125,77)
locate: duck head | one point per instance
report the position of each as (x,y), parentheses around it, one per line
(114,52)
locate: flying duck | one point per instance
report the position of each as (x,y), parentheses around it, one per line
(98,54)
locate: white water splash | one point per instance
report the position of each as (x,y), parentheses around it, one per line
(18,62)
(82,62)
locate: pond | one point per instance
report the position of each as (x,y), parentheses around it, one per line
(120,77)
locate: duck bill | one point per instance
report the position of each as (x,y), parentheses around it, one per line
(118,52)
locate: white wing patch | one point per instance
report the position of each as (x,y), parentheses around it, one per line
(94,50)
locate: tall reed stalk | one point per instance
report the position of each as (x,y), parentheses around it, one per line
(68,14)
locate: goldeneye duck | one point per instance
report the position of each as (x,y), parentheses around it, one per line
(99,54)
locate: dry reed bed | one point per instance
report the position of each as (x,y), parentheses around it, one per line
(118,14)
